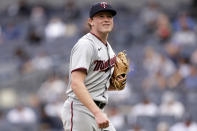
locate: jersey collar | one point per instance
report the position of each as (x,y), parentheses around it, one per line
(99,38)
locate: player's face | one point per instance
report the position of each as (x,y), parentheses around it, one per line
(102,22)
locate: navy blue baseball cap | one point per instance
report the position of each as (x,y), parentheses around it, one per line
(99,7)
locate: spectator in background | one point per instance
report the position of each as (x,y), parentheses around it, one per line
(151,58)
(157,63)
(170,106)
(21,115)
(71,11)
(184,37)
(11,31)
(184,27)
(163,29)
(191,80)
(155,81)
(183,71)
(173,52)
(71,30)
(53,109)
(159,69)
(51,95)
(149,15)
(55,29)
(34,37)
(184,21)
(187,125)
(144,108)
(49,123)
(51,90)
(42,62)
(23,59)
(38,16)
(37,25)
(167,67)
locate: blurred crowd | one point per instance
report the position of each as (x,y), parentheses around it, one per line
(161,43)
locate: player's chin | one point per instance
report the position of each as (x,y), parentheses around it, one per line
(107,30)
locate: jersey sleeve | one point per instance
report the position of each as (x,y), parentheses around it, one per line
(82,54)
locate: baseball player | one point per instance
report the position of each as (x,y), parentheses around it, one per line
(91,66)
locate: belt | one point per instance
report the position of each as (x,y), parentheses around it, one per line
(101,105)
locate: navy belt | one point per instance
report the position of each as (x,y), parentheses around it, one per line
(101,105)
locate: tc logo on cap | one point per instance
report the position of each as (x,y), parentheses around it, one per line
(104,4)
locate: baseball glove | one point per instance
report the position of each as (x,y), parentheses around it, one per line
(121,68)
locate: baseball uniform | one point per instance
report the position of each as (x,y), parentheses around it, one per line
(98,59)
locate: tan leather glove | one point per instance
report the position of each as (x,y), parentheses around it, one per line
(121,68)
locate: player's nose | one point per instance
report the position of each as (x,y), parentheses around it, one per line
(106,18)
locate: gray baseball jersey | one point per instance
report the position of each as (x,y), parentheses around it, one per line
(98,59)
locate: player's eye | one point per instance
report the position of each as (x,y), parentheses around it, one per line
(101,16)
(109,16)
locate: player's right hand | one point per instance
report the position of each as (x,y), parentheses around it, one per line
(101,120)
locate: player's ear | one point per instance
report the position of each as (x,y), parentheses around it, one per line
(90,21)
